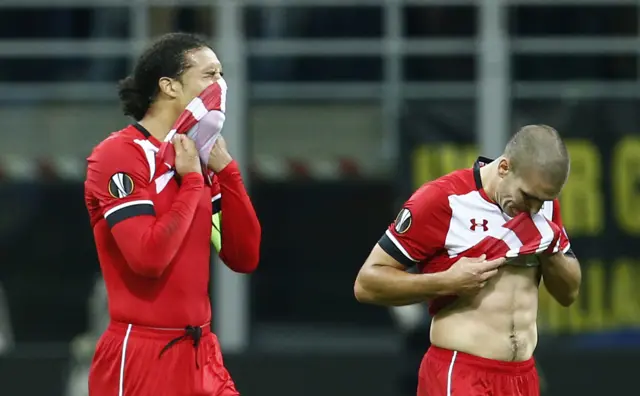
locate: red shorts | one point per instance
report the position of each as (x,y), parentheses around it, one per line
(127,362)
(447,373)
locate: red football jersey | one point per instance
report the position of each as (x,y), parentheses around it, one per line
(153,231)
(452,217)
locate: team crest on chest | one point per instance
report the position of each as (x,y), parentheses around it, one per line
(403,221)
(121,185)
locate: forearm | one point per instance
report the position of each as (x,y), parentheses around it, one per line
(384,285)
(562,277)
(240,226)
(149,243)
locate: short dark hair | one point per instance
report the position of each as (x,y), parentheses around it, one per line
(539,147)
(164,58)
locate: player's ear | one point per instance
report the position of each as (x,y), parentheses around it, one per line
(169,87)
(504,167)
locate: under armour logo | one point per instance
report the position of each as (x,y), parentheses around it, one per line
(475,224)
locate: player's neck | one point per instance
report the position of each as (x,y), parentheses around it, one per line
(489,175)
(158,123)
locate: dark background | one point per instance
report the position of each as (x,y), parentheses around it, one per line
(316,234)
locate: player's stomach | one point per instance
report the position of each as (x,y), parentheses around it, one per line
(497,323)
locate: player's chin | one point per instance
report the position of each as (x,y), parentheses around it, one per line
(510,209)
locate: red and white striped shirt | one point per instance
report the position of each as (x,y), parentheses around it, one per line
(452,217)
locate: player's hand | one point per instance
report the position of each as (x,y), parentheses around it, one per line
(219,157)
(187,158)
(469,275)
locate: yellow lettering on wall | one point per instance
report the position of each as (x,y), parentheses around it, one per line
(624,293)
(626,184)
(582,203)
(457,157)
(588,313)
(606,302)
(429,162)
(422,168)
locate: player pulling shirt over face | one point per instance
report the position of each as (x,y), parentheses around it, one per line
(152,223)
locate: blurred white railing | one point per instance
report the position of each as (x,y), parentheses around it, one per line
(390,47)
(333,47)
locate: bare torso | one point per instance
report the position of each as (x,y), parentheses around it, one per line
(497,323)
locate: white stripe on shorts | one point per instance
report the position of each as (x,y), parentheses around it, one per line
(124,354)
(450,374)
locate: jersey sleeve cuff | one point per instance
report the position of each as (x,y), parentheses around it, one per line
(127,210)
(193,177)
(568,251)
(231,168)
(393,248)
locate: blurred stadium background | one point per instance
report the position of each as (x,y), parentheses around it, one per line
(338,109)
